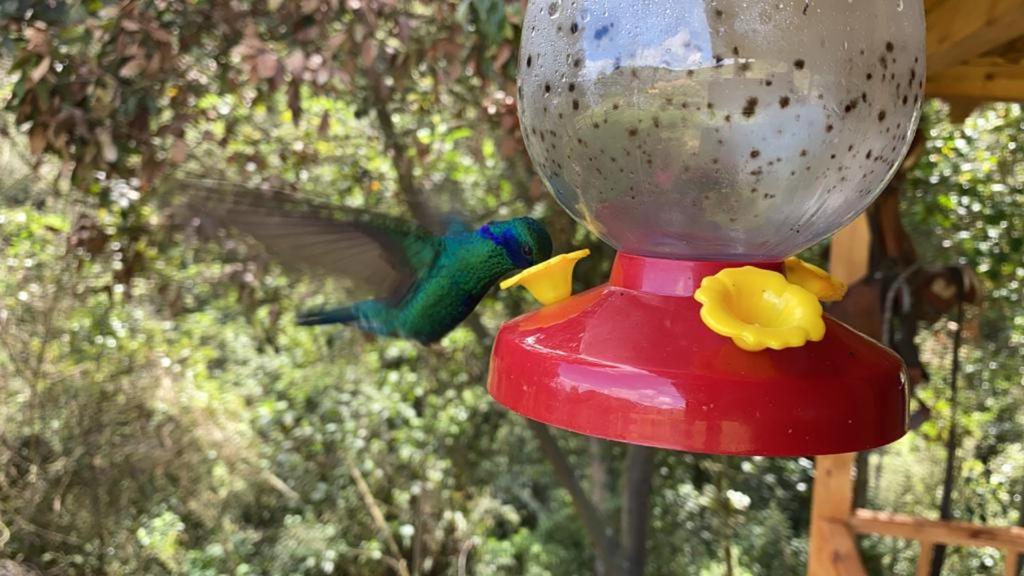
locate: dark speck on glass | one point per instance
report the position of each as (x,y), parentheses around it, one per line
(750,108)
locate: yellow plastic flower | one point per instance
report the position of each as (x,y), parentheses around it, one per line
(551,280)
(759,309)
(814,280)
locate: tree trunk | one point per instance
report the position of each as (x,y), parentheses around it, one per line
(860,483)
(605,546)
(598,481)
(636,507)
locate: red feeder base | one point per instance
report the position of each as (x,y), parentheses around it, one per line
(632,361)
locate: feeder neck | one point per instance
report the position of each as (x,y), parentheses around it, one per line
(667,277)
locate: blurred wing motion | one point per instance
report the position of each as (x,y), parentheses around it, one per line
(385,254)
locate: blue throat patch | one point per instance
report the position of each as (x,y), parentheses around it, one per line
(507,241)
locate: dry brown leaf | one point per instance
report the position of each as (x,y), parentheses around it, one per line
(334,42)
(295,63)
(133,67)
(154,64)
(368,52)
(40,70)
(159,34)
(37,139)
(37,40)
(130,25)
(266,66)
(178,152)
(107,148)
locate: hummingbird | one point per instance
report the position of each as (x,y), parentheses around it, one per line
(424,283)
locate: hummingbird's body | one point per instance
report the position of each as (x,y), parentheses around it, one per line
(426,283)
(467,266)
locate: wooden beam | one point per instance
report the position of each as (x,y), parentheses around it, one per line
(960,30)
(850,251)
(980,80)
(1010,538)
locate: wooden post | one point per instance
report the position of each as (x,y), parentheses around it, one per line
(924,560)
(1012,562)
(832,494)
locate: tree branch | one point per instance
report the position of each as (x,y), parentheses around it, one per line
(598,482)
(605,546)
(378,517)
(394,145)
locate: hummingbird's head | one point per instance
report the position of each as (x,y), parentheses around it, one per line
(525,241)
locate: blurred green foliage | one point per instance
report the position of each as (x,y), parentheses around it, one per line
(160,414)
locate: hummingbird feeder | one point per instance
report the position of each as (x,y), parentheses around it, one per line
(708,141)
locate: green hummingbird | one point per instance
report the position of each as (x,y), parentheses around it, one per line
(424,283)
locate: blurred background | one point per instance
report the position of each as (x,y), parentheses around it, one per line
(161,414)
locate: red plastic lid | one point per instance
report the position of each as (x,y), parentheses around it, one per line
(632,361)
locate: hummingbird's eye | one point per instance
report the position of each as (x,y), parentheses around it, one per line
(527,250)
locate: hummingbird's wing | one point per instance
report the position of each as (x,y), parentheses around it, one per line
(385,254)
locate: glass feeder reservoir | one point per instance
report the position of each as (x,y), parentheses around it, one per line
(707,141)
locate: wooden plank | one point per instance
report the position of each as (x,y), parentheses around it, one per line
(979,80)
(921,529)
(960,30)
(831,502)
(1012,565)
(850,252)
(924,559)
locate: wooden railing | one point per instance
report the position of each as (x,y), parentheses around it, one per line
(931,533)
(844,557)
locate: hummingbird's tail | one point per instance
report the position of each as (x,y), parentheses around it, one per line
(371,316)
(346,315)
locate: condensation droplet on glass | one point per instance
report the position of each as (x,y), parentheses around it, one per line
(899,5)
(554,8)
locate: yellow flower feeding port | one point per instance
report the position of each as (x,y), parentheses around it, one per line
(550,281)
(814,280)
(759,309)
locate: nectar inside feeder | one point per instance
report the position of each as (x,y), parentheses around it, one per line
(708,141)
